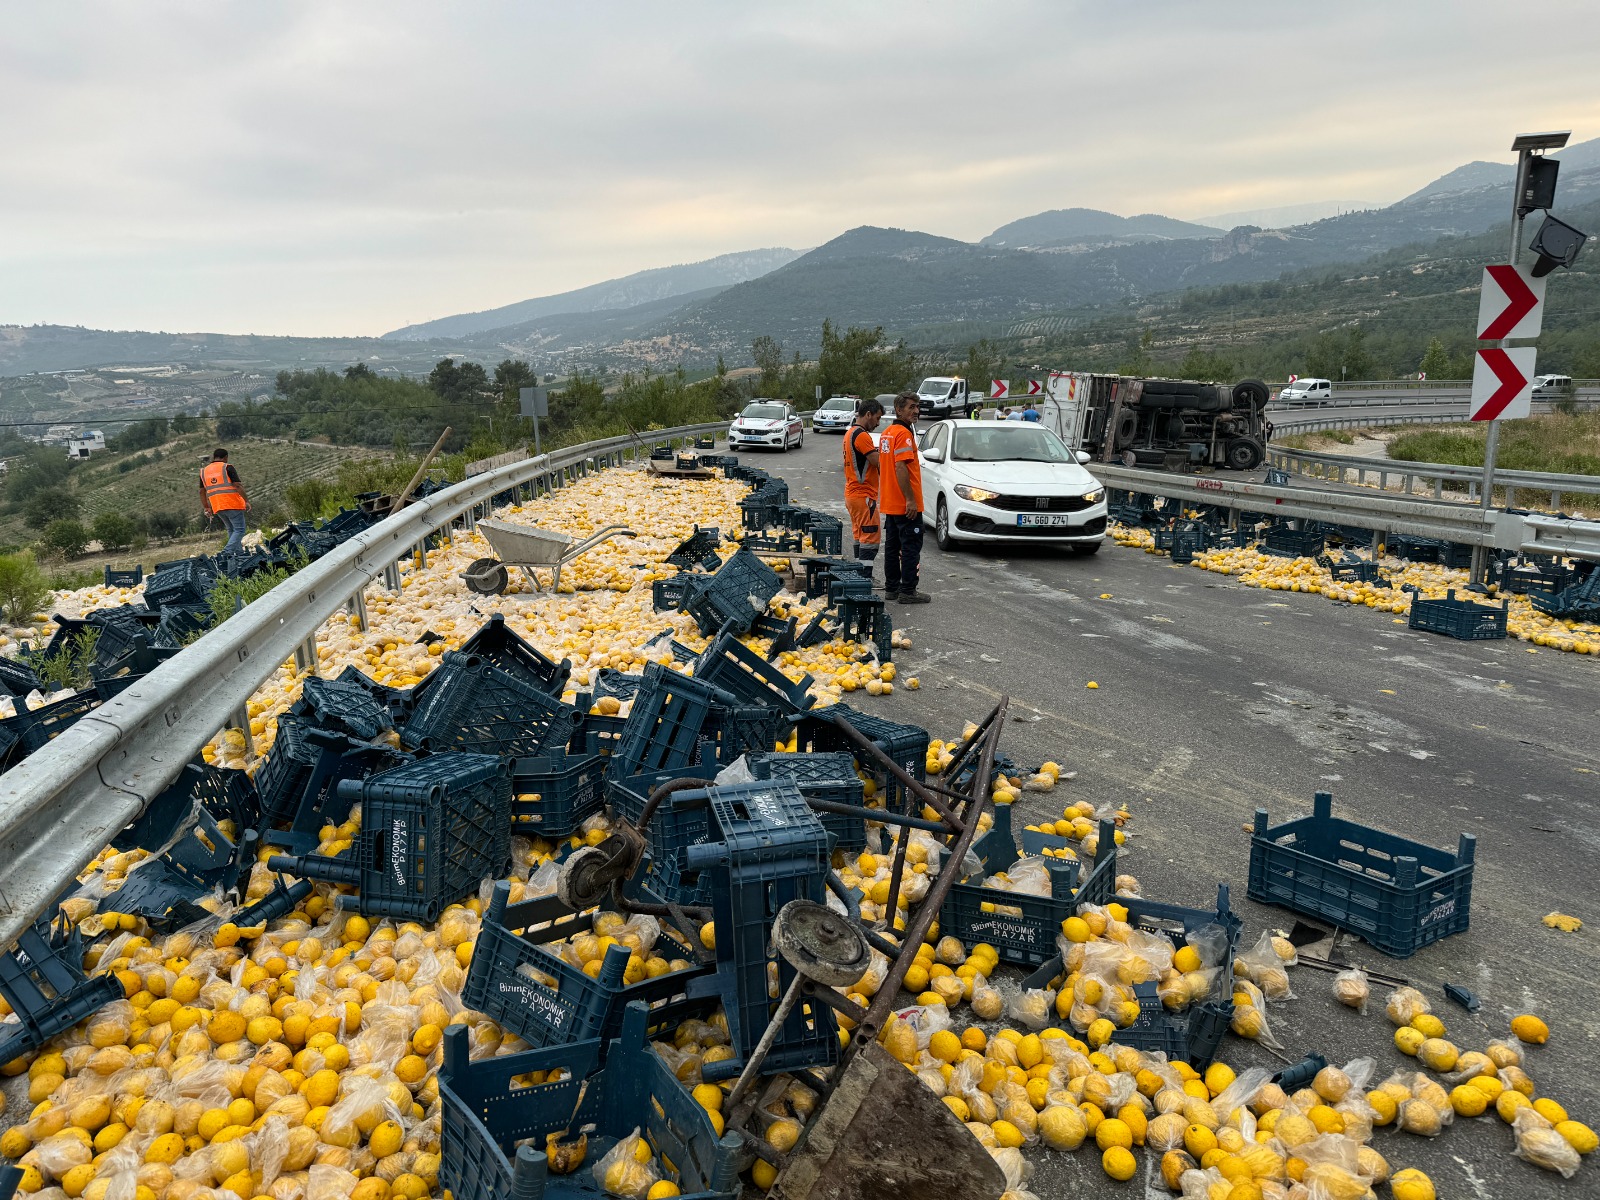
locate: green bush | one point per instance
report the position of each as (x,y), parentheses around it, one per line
(69,666)
(114,531)
(51,504)
(65,538)
(305,499)
(23,587)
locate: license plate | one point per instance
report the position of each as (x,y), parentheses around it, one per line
(1043,519)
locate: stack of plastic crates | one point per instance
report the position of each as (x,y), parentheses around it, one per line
(664,726)
(493,1127)
(185,582)
(830,778)
(42,979)
(699,549)
(730,665)
(519,981)
(821,571)
(498,646)
(827,534)
(344,706)
(765,848)
(474,706)
(741,588)
(431,832)
(905,745)
(298,782)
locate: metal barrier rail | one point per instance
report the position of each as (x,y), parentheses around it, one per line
(1338,466)
(62,804)
(1464,523)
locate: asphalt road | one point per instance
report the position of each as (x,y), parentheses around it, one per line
(1214,700)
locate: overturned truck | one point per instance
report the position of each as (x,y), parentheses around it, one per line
(1175,424)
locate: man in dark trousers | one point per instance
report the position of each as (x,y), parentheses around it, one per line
(861,479)
(900,502)
(222,495)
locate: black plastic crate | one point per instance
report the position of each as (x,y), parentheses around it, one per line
(182,623)
(699,549)
(663,727)
(131,577)
(37,728)
(820,572)
(399,701)
(597,733)
(741,588)
(42,978)
(730,665)
(431,832)
(1186,543)
(628,797)
(619,685)
(496,644)
(298,782)
(1463,619)
(186,582)
(1284,542)
(735,729)
(829,777)
(786,541)
(865,618)
(343,705)
(543,999)
(1190,1036)
(18,677)
(1397,894)
(667,595)
(474,706)
(570,788)
(489,1122)
(905,745)
(827,534)
(758,511)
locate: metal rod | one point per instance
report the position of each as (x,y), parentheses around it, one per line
(752,1065)
(891,903)
(875,814)
(899,772)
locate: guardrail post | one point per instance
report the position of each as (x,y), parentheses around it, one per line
(1406,483)
(1555,501)
(391,576)
(1511,496)
(421,551)
(239,719)
(1438,488)
(357,607)
(1383,481)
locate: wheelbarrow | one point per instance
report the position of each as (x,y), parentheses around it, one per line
(528,547)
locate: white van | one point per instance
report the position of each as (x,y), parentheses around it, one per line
(1307,391)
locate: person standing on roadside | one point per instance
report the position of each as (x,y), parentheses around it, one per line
(900,502)
(222,495)
(861,479)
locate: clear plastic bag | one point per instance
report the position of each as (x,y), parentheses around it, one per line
(620,1173)
(1352,989)
(1540,1144)
(925,1020)
(1239,1093)
(1250,1019)
(1210,943)
(738,771)
(1262,966)
(1405,1003)
(1032,1008)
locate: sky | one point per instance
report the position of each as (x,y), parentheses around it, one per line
(348,168)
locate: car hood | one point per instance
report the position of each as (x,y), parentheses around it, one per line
(1025,476)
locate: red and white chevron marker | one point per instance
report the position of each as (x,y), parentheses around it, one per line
(999,389)
(1035,388)
(1502,383)
(1511,304)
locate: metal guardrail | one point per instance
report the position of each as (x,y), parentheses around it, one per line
(1341,468)
(1464,523)
(62,804)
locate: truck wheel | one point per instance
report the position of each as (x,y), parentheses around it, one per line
(1127,427)
(1243,454)
(1250,393)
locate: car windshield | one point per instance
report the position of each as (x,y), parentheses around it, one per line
(938,388)
(840,403)
(1009,444)
(763,412)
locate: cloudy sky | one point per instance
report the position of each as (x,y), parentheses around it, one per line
(346,168)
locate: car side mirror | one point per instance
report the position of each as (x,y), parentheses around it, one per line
(1082,457)
(934,456)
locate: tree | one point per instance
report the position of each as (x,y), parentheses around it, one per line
(767,354)
(1436,362)
(65,538)
(23,587)
(185,423)
(1137,359)
(859,363)
(167,524)
(464,383)
(114,531)
(40,467)
(1205,365)
(50,504)
(984,362)
(141,435)
(511,376)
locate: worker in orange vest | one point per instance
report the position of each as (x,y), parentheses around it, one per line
(861,479)
(222,495)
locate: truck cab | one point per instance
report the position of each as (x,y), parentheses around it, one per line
(943,396)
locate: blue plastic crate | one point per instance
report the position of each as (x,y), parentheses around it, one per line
(1192,1035)
(668,595)
(627,797)
(570,789)
(186,581)
(663,726)
(131,577)
(732,730)
(497,645)
(474,706)
(699,549)
(741,588)
(529,989)
(905,745)
(42,978)
(827,534)
(828,777)
(431,832)
(765,848)
(486,1115)
(1397,894)
(1285,542)
(736,669)
(344,706)
(1463,619)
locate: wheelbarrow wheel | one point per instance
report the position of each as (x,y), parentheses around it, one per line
(487,577)
(820,944)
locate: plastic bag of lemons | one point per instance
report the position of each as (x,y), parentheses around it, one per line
(628,1169)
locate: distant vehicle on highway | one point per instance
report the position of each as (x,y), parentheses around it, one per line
(772,424)
(1307,391)
(835,414)
(942,396)
(987,481)
(1551,385)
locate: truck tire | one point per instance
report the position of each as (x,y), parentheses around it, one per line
(1127,428)
(1250,393)
(1244,454)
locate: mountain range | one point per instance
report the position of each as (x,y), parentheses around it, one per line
(1057,263)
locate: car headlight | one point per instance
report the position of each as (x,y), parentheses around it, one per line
(976,495)
(1095,496)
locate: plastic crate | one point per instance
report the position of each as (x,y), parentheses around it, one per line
(597,733)
(37,728)
(1463,619)
(345,706)
(905,745)
(732,730)
(474,706)
(542,998)
(829,777)
(132,577)
(670,594)
(298,782)
(431,832)
(619,685)
(744,674)
(758,511)
(1397,894)
(1023,928)
(1284,542)
(1186,543)
(822,571)
(765,848)
(663,727)
(699,549)
(186,582)
(1194,1034)
(399,701)
(17,677)
(498,646)
(570,789)
(42,978)
(628,797)
(182,623)
(485,1117)
(827,534)
(781,542)
(865,618)
(741,588)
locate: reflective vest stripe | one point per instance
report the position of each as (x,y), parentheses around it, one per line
(221,492)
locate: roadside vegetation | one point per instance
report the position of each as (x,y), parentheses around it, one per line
(1563,443)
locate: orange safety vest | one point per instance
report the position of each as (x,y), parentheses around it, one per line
(221,492)
(860,470)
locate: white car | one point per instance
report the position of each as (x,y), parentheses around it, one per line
(772,424)
(1307,391)
(835,414)
(1009,481)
